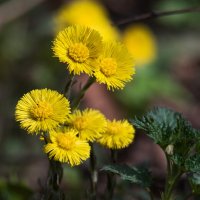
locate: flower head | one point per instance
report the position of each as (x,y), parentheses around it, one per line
(78,47)
(115,66)
(74,13)
(89,123)
(119,134)
(42,110)
(141,43)
(66,147)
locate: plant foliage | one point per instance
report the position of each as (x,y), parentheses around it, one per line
(167,127)
(140,176)
(194,180)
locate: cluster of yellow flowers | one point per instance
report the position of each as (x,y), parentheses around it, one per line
(138,38)
(83,51)
(87,13)
(46,111)
(67,134)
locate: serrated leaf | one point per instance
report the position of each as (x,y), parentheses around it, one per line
(167,127)
(159,125)
(140,176)
(192,164)
(194,180)
(178,159)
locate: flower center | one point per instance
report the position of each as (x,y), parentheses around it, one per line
(41,111)
(65,141)
(113,130)
(78,52)
(108,66)
(80,123)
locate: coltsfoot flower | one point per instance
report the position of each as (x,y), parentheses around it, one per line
(115,66)
(141,43)
(42,110)
(74,13)
(78,46)
(89,123)
(119,134)
(66,147)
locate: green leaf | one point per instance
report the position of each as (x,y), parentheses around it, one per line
(140,176)
(174,134)
(178,159)
(192,164)
(159,124)
(194,180)
(167,127)
(14,190)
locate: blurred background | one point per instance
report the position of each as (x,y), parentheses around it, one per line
(167,59)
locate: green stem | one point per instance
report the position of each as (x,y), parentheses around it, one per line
(113,156)
(46,138)
(55,174)
(171,183)
(80,96)
(94,173)
(171,180)
(111,177)
(150,193)
(68,86)
(52,189)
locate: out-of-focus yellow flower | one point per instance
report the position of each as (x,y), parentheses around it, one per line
(78,46)
(88,13)
(119,134)
(115,66)
(42,110)
(141,43)
(66,147)
(89,123)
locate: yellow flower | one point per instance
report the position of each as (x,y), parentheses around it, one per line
(78,47)
(87,13)
(89,123)
(66,147)
(42,110)
(141,43)
(115,66)
(119,134)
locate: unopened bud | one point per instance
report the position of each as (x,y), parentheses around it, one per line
(170,149)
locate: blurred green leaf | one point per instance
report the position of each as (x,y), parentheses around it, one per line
(14,191)
(140,176)
(16,42)
(178,160)
(147,85)
(194,180)
(192,164)
(179,20)
(73,177)
(167,127)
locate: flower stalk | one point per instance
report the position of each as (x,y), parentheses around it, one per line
(81,94)
(52,190)
(112,177)
(173,175)
(68,86)
(67,135)
(94,173)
